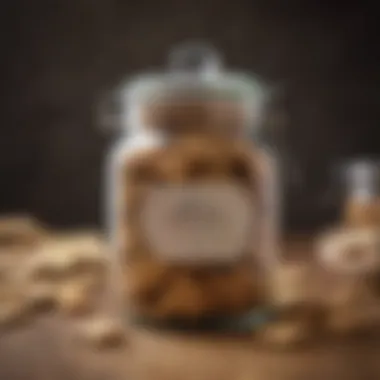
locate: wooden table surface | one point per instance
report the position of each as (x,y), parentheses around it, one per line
(47,349)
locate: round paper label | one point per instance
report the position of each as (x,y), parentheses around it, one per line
(199,224)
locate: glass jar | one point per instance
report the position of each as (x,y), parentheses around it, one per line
(350,253)
(191,201)
(362,206)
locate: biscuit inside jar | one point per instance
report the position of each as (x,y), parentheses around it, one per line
(177,114)
(143,169)
(232,292)
(209,158)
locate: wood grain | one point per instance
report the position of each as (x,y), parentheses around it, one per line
(48,348)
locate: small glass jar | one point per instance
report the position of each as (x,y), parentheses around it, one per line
(191,201)
(352,247)
(362,206)
(350,253)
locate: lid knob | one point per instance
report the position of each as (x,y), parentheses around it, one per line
(196,58)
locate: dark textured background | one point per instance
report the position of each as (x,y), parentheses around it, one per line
(59,56)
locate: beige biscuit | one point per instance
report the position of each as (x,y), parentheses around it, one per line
(67,255)
(287,281)
(22,231)
(87,266)
(75,298)
(350,251)
(101,332)
(296,302)
(48,267)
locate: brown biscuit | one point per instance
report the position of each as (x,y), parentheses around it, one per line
(243,165)
(210,157)
(144,280)
(233,292)
(142,168)
(362,214)
(196,158)
(184,112)
(177,114)
(182,298)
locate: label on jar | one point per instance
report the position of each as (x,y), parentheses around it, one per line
(199,224)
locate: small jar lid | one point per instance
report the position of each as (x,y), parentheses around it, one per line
(195,74)
(197,69)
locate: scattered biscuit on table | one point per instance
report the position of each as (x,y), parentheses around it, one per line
(101,332)
(21,230)
(42,297)
(14,308)
(284,334)
(75,298)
